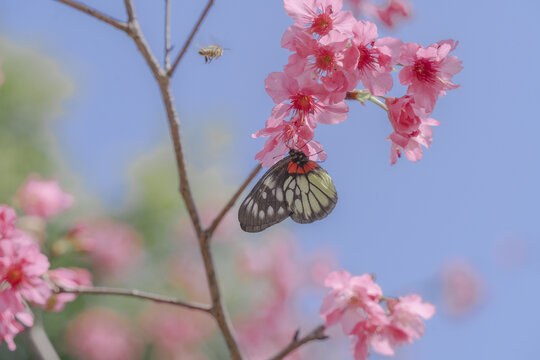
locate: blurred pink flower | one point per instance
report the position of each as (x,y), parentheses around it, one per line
(42,198)
(113,247)
(355,303)
(406,324)
(351,300)
(100,334)
(463,288)
(22,267)
(176,333)
(393,12)
(8,216)
(389,14)
(13,316)
(69,278)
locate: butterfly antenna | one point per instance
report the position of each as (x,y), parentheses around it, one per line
(307,142)
(279,156)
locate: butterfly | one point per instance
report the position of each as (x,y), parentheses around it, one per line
(296,187)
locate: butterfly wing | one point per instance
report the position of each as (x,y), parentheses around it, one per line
(265,205)
(310,193)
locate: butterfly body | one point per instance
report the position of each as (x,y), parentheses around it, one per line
(296,187)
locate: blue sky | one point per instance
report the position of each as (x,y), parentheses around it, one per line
(475,187)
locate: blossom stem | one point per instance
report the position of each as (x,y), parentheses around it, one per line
(378,102)
(134,293)
(190,37)
(315,334)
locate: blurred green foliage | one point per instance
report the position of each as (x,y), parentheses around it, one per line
(31,98)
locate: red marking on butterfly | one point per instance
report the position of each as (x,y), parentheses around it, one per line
(295,168)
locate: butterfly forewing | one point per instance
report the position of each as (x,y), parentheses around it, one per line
(265,205)
(296,187)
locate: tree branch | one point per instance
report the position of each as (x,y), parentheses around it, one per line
(218,311)
(130,9)
(167,61)
(231,202)
(163,78)
(190,38)
(134,293)
(39,341)
(96,14)
(316,334)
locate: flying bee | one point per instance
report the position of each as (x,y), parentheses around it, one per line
(211,52)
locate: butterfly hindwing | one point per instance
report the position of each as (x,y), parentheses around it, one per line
(311,195)
(265,205)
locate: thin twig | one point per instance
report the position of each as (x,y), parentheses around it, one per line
(316,334)
(190,38)
(39,341)
(130,9)
(134,293)
(231,202)
(97,14)
(172,115)
(167,61)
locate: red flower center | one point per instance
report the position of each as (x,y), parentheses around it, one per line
(303,103)
(322,23)
(324,61)
(368,58)
(425,70)
(14,276)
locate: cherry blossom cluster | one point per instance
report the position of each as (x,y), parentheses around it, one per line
(355,303)
(25,278)
(332,54)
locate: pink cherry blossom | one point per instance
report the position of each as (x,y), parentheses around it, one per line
(376,57)
(175,331)
(428,72)
(333,63)
(412,128)
(7,221)
(405,323)
(100,334)
(22,267)
(303,98)
(114,248)
(69,278)
(321,17)
(13,316)
(290,134)
(43,198)
(352,299)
